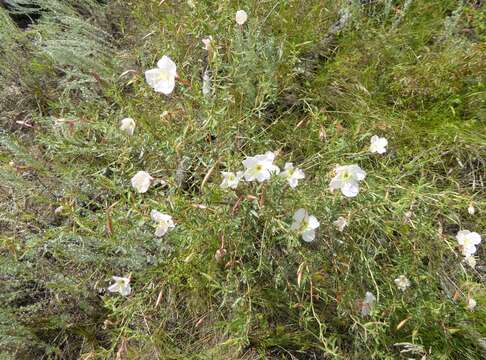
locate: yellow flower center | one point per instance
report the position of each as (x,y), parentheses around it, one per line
(345,175)
(163,75)
(304,225)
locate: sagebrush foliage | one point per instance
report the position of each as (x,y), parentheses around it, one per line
(311,81)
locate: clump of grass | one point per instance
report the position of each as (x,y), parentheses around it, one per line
(405,70)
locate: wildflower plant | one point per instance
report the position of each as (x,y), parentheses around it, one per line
(238,253)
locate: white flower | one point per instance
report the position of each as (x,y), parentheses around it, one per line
(141,181)
(402,282)
(260,167)
(368,303)
(162,78)
(121,285)
(471,261)
(468,241)
(207,43)
(230,179)
(292,175)
(305,225)
(163,222)
(341,223)
(471,304)
(127,125)
(241,17)
(206,84)
(378,144)
(347,179)
(471,210)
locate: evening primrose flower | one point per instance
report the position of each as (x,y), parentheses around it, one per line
(471,304)
(378,144)
(292,175)
(468,241)
(230,179)
(162,78)
(241,17)
(163,222)
(341,223)
(347,179)
(471,261)
(207,43)
(206,83)
(305,225)
(402,282)
(141,181)
(127,125)
(260,167)
(368,303)
(121,285)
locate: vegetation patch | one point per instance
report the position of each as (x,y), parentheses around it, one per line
(242,180)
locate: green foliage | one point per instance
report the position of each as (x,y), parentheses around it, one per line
(409,71)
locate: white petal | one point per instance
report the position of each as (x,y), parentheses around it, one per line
(309,235)
(359,173)
(335,183)
(127,125)
(161,230)
(381,150)
(125,290)
(288,166)
(226,179)
(249,162)
(230,180)
(114,287)
(156,215)
(165,86)
(249,176)
(313,223)
(475,238)
(299,215)
(141,181)
(239,175)
(293,182)
(167,64)
(261,176)
(461,236)
(471,304)
(241,17)
(299,174)
(350,189)
(206,85)
(269,156)
(274,169)
(369,298)
(382,142)
(151,76)
(469,250)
